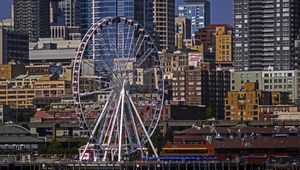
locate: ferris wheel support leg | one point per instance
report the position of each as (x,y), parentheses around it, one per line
(84,151)
(143,126)
(112,127)
(121,124)
(135,130)
(95,129)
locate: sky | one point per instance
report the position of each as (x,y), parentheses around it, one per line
(221,10)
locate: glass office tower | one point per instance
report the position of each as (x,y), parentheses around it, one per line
(94,10)
(196,10)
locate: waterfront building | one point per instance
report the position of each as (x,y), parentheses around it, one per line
(53,51)
(265,34)
(182,29)
(24,89)
(17,140)
(269,80)
(11,70)
(243,104)
(18,93)
(164,19)
(46,69)
(33,18)
(250,103)
(13,47)
(196,10)
(201,86)
(288,115)
(278,112)
(48,92)
(227,143)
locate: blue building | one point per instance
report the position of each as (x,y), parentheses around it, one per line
(139,10)
(116,35)
(196,10)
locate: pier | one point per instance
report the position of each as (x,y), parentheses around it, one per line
(141,165)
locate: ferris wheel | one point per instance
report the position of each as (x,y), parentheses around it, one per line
(118,89)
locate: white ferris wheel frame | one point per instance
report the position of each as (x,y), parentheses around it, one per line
(123,95)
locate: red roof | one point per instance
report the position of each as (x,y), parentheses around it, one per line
(42,114)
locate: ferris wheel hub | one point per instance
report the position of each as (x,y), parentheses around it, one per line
(126,84)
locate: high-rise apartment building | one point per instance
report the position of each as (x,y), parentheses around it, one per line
(200,86)
(14,46)
(196,10)
(265,33)
(224,44)
(71,12)
(164,19)
(32,17)
(182,29)
(207,36)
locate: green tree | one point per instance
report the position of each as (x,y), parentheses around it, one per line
(158,142)
(169,135)
(209,112)
(47,108)
(54,148)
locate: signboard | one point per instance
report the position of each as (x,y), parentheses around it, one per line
(194,58)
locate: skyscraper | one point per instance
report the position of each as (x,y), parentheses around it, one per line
(71,12)
(196,10)
(32,17)
(94,10)
(164,19)
(13,47)
(265,33)
(183,31)
(114,39)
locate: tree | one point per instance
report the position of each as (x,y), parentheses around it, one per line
(169,135)
(158,142)
(54,148)
(209,112)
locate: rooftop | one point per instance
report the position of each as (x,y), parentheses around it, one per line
(237,130)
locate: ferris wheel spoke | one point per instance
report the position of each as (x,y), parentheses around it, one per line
(113,46)
(132,76)
(130,45)
(143,58)
(94,106)
(140,44)
(129,30)
(104,91)
(137,46)
(97,79)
